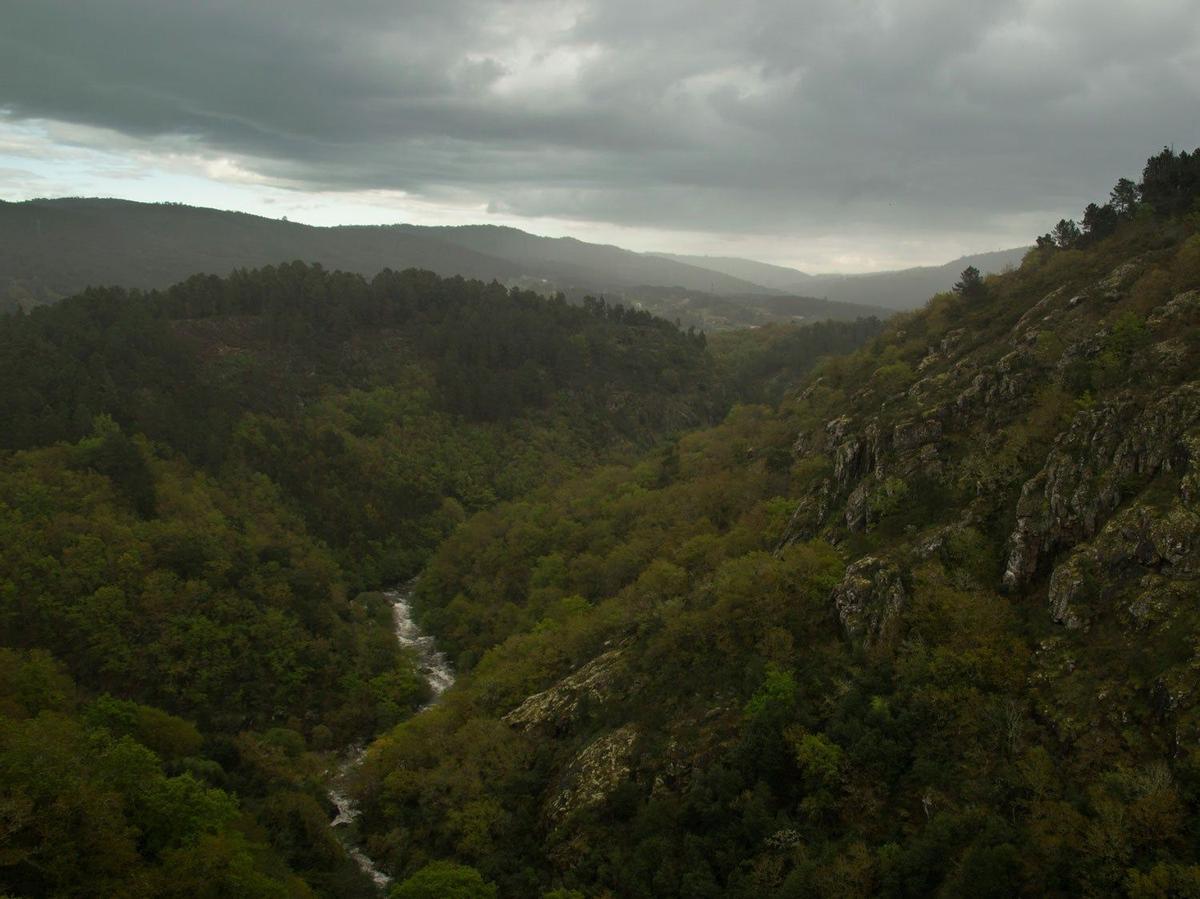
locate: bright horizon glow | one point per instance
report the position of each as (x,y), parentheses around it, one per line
(45,160)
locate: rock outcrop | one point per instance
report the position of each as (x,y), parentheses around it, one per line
(560,707)
(868,598)
(1140,556)
(594,773)
(1089,472)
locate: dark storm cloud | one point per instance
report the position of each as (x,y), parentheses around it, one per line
(752,116)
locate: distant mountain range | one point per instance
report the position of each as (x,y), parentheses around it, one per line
(55,247)
(52,248)
(903,289)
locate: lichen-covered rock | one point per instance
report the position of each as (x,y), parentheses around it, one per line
(868,598)
(996,386)
(559,707)
(1036,312)
(1141,553)
(858,454)
(857,511)
(1068,586)
(1085,474)
(594,773)
(911,434)
(1119,280)
(951,341)
(1183,309)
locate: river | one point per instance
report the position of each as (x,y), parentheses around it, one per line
(436,670)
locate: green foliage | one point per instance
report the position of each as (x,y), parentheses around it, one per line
(888,498)
(775,700)
(197,480)
(970,284)
(89,810)
(679,674)
(763,364)
(1171,182)
(1170,186)
(1066,234)
(1127,338)
(444,880)
(893,377)
(166,735)
(953,753)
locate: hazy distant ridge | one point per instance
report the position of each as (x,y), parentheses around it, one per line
(53,248)
(901,289)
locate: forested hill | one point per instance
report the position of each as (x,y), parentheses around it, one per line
(195,486)
(54,248)
(926,628)
(284,363)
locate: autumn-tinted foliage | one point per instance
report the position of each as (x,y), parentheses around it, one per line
(918,623)
(194,486)
(808,652)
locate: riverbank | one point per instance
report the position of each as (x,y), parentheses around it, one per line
(438,673)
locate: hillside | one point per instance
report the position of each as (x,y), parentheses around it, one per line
(927,627)
(196,487)
(54,248)
(571,263)
(716,312)
(844,610)
(897,290)
(777,277)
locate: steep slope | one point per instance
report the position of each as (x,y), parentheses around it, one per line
(927,628)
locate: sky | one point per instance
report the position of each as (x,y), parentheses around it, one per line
(829,135)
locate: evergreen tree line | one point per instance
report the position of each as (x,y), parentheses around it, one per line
(1170,186)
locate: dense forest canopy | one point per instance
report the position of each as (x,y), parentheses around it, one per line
(926,627)
(196,484)
(916,622)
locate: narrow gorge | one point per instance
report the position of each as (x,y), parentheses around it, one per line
(435,669)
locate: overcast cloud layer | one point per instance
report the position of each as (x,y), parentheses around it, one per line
(808,131)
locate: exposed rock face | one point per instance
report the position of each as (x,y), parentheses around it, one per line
(1141,553)
(594,773)
(1083,479)
(858,454)
(996,387)
(868,598)
(559,707)
(1069,585)
(1037,313)
(962,422)
(1184,309)
(909,435)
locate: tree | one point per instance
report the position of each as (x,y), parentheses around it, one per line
(1099,221)
(970,283)
(445,880)
(1066,233)
(1170,183)
(1124,197)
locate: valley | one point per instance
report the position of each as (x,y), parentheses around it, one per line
(846,608)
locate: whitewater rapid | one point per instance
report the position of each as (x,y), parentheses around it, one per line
(435,668)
